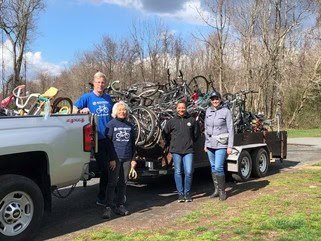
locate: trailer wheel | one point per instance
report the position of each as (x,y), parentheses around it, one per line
(244,167)
(21,208)
(260,163)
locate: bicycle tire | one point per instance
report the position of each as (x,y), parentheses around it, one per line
(151,96)
(156,133)
(198,84)
(60,103)
(133,119)
(147,123)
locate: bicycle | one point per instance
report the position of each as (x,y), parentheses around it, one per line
(40,103)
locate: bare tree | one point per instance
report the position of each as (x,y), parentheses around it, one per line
(17,20)
(220,24)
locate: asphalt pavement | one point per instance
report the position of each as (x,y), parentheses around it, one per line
(311,141)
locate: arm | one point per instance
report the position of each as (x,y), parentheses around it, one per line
(230,128)
(110,144)
(81,106)
(132,134)
(205,131)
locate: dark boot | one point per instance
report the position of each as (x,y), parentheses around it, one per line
(215,193)
(221,187)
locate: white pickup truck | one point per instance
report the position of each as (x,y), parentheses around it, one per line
(38,155)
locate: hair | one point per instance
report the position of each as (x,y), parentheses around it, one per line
(100,75)
(181,101)
(116,106)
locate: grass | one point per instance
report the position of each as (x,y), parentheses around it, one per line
(288,209)
(304,133)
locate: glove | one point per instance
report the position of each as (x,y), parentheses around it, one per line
(132,173)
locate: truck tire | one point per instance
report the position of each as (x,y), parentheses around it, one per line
(260,162)
(21,208)
(244,167)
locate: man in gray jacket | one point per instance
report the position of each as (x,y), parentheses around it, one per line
(219,137)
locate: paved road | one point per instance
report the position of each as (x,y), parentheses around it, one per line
(78,211)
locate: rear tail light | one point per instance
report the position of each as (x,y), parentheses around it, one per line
(89,140)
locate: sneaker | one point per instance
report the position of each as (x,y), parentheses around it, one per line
(181,198)
(188,198)
(107,213)
(100,203)
(121,210)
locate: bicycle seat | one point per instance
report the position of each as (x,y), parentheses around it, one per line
(50,93)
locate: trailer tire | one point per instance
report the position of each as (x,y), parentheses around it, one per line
(21,208)
(244,167)
(260,162)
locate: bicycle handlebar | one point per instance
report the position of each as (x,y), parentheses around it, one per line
(17,91)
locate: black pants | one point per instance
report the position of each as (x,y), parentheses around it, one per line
(102,159)
(122,182)
(117,179)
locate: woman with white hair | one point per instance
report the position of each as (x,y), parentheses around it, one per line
(121,142)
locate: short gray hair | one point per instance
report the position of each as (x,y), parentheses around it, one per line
(116,106)
(100,75)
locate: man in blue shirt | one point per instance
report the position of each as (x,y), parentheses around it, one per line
(99,103)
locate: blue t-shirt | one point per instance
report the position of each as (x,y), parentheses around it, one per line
(99,105)
(121,133)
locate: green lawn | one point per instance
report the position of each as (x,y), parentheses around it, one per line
(304,133)
(287,209)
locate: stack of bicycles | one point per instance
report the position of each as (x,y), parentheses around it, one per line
(21,103)
(152,104)
(243,120)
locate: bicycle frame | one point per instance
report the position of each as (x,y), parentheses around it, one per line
(39,101)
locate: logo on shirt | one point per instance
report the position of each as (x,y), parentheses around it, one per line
(102,110)
(122,135)
(189,124)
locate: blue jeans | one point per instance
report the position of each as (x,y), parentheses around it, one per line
(183,161)
(217,158)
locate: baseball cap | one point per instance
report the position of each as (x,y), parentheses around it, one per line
(215,94)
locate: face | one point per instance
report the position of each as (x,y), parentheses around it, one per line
(99,85)
(181,109)
(121,112)
(215,102)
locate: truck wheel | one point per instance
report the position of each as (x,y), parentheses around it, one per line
(260,163)
(244,167)
(21,208)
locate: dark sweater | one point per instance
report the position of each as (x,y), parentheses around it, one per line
(121,138)
(180,133)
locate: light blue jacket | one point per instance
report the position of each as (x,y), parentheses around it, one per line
(218,121)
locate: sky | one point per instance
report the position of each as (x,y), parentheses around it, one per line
(68,27)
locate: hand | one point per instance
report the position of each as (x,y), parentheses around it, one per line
(84,111)
(112,165)
(133,164)
(229,151)
(205,149)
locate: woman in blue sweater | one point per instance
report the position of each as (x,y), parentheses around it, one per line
(121,142)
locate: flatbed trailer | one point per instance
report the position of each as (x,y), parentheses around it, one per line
(252,154)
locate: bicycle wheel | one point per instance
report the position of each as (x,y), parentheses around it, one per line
(156,133)
(62,105)
(147,123)
(151,96)
(198,84)
(133,119)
